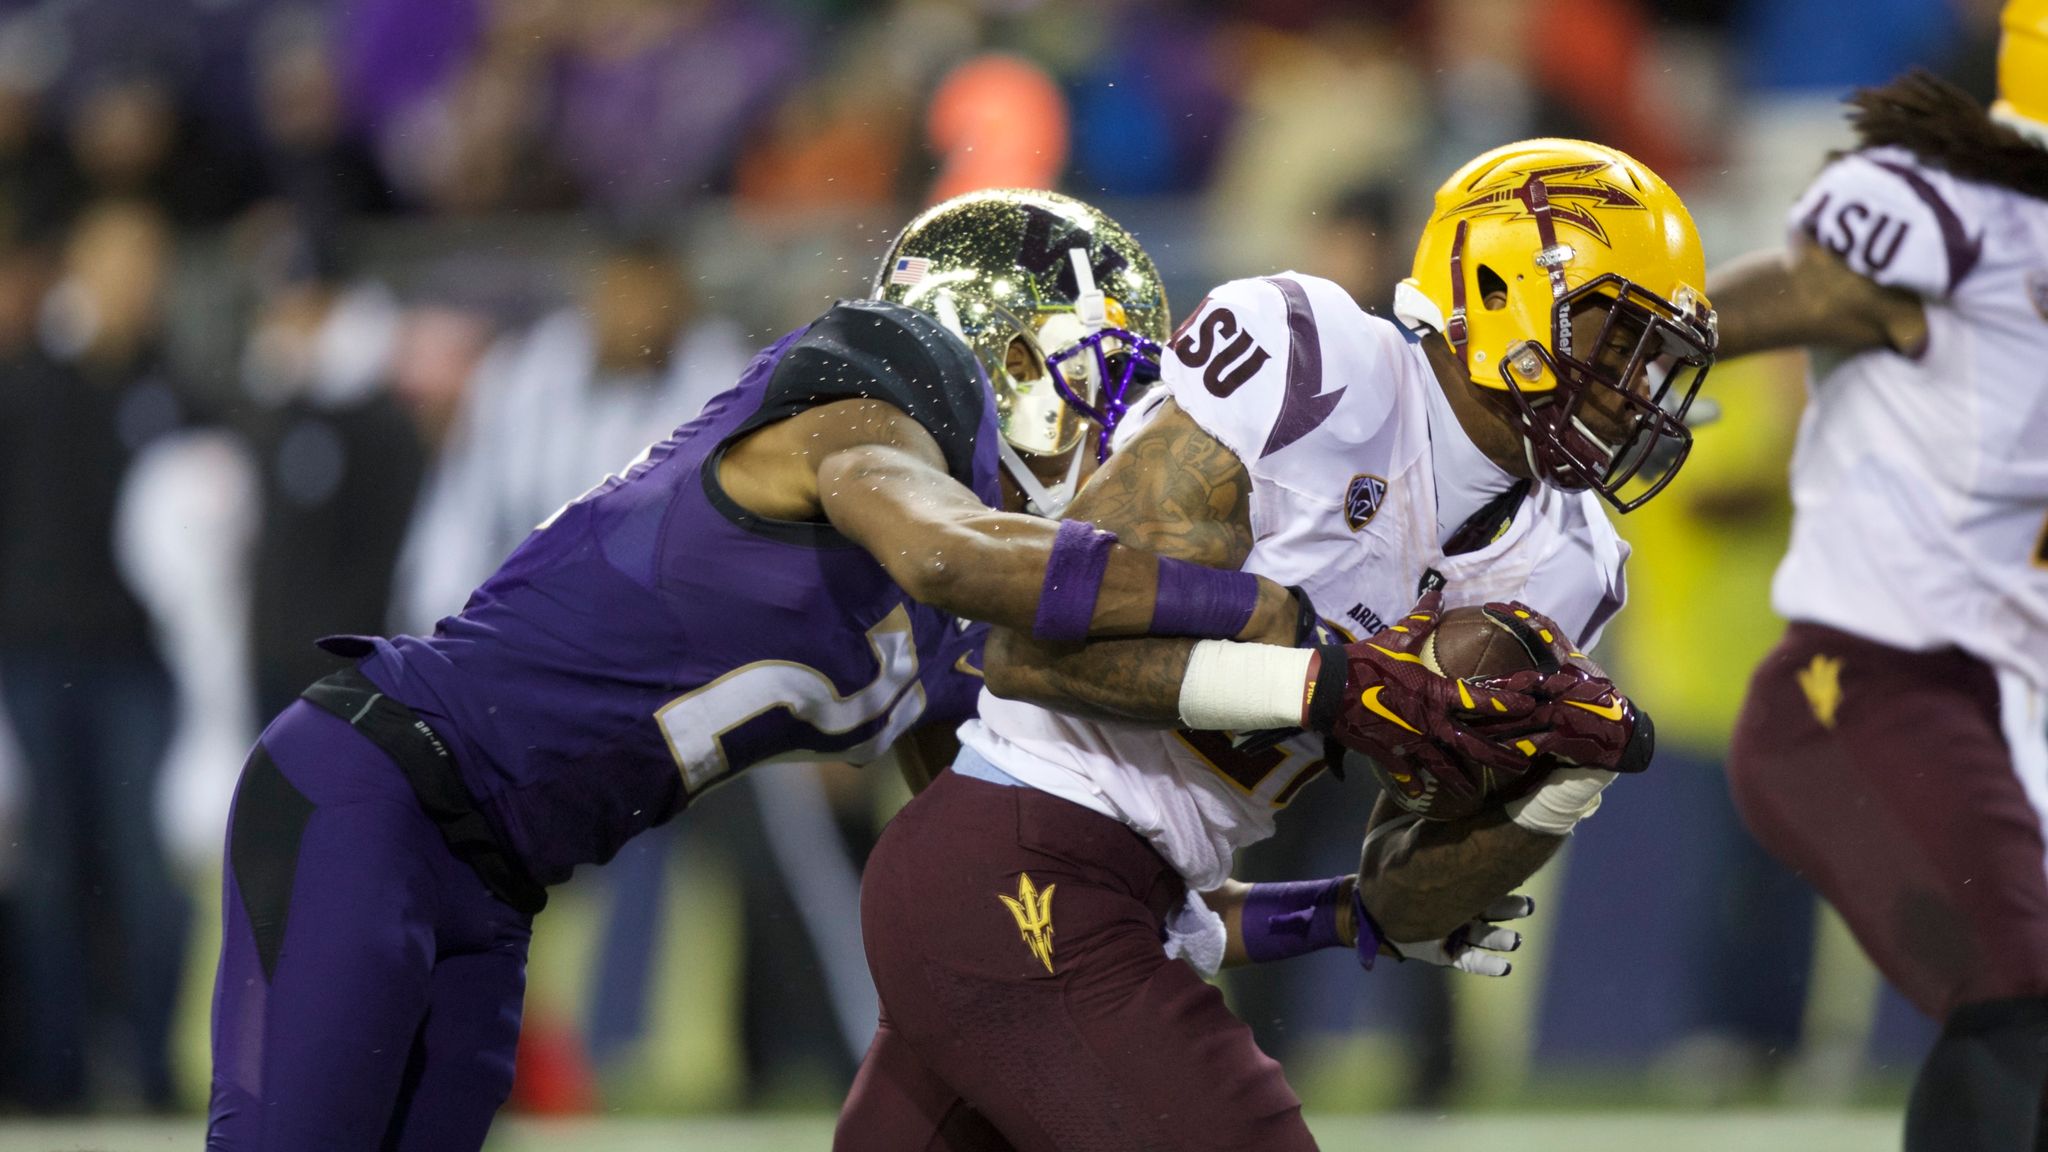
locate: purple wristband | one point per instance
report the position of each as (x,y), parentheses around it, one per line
(1073,579)
(1283,920)
(1368,944)
(1207,602)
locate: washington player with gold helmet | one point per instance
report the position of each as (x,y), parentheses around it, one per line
(1891,748)
(1552,335)
(1062,306)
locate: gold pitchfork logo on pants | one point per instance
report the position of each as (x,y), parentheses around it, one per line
(1033,910)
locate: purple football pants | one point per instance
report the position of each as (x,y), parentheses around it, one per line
(369,988)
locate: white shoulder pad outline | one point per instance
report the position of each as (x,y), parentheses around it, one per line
(1247,365)
(1892,221)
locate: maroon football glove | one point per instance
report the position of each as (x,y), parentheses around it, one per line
(1580,718)
(1390,706)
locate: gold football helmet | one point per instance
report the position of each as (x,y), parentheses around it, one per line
(2023,68)
(1062,307)
(1570,277)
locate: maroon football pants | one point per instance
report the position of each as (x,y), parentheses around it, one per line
(1043,1016)
(1884,778)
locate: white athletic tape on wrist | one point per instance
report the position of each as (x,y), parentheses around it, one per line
(1237,687)
(1567,797)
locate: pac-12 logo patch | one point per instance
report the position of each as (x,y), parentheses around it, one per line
(1362,500)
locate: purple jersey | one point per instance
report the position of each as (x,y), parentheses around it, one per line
(653,638)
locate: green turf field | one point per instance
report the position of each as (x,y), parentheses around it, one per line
(1606,1132)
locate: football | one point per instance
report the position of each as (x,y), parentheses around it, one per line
(1466,643)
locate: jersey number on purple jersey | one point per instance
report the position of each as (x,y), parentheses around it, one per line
(697,721)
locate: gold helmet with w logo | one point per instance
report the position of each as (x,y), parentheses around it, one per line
(1569,277)
(1061,305)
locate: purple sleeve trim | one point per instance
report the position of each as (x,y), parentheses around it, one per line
(1207,602)
(1285,920)
(1963,250)
(1073,579)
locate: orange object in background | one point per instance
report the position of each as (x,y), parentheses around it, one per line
(552,1074)
(1593,55)
(997,121)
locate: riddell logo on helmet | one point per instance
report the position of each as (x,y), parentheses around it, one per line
(1574,194)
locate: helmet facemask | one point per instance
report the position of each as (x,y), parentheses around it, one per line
(1074,368)
(1050,377)
(1627,365)
(1099,375)
(1095,356)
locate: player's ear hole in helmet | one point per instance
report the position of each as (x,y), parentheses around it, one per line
(1062,307)
(1564,275)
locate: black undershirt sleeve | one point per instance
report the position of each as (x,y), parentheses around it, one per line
(877,350)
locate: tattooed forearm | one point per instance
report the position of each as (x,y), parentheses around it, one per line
(1133,681)
(1173,490)
(1422,881)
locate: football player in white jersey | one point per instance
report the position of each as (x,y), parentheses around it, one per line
(1891,748)
(1551,338)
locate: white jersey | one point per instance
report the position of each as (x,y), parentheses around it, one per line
(1326,407)
(1921,484)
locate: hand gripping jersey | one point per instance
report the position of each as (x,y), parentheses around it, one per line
(652,638)
(1326,406)
(1920,485)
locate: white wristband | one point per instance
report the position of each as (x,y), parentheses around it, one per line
(1566,797)
(1243,687)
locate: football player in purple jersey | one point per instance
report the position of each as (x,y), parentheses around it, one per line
(805,571)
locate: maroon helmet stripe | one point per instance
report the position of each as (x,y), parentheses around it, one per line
(1454,325)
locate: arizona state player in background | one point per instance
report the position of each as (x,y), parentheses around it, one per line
(1551,337)
(1891,749)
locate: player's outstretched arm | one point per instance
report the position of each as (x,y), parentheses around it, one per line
(1173,490)
(1808,296)
(891,494)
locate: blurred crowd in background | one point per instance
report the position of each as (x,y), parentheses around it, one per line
(309,311)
